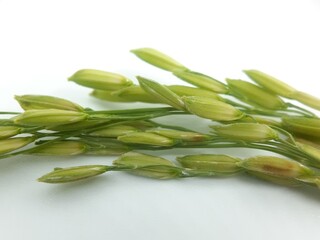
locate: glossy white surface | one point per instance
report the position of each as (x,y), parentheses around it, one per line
(44,42)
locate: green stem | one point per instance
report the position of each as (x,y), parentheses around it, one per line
(236,104)
(307,112)
(135,110)
(302,114)
(197,173)
(256,111)
(119,168)
(171,126)
(10,113)
(135,117)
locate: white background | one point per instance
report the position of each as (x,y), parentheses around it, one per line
(44,42)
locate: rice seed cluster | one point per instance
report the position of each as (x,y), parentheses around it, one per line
(258,115)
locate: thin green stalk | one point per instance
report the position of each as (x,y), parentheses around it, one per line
(136,117)
(301,113)
(10,113)
(292,152)
(255,111)
(309,113)
(236,104)
(128,111)
(171,126)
